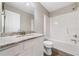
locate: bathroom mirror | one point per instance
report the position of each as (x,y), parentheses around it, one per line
(19,17)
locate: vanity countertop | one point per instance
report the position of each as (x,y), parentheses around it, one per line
(4,41)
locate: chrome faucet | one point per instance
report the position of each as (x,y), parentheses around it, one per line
(75,38)
(75,41)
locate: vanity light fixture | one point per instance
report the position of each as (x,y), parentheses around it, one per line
(27,4)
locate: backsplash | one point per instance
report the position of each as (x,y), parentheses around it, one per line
(16,33)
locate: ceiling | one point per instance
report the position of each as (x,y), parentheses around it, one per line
(52,6)
(22,6)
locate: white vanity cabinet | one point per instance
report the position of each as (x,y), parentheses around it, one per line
(30,47)
(33,47)
(12,50)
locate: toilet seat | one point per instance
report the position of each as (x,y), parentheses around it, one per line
(48,44)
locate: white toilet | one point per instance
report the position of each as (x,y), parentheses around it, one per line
(48,47)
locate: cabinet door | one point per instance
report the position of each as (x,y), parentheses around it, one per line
(27,44)
(13,50)
(33,47)
(27,48)
(27,52)
(38,47)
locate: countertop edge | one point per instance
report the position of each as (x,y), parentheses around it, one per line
(8,44)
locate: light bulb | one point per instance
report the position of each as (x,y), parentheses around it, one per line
(27,4)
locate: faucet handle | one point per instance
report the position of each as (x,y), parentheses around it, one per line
(75,36)
(74,40)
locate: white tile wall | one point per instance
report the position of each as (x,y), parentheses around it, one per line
(62,29)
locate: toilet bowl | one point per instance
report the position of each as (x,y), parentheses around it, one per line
(48,47)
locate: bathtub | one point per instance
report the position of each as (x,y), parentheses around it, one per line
(67,47)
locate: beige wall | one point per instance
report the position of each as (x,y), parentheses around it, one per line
(0,23)
(47,27)
(40,11)
(25,18)
(0,17)
(0,6)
